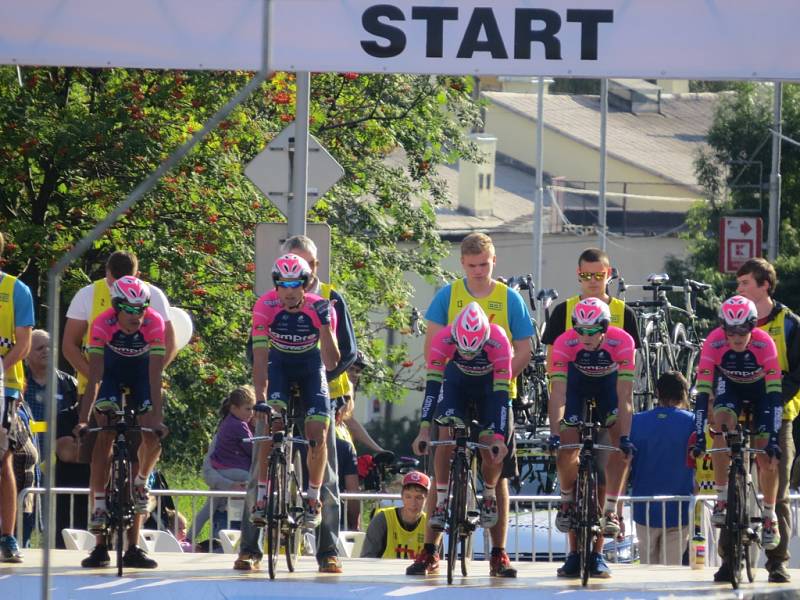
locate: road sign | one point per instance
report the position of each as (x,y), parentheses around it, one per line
(270,236)
(271,170)
(739,240)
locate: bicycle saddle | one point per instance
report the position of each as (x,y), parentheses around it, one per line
(547,294)
(657,278)
(406,464)
(383,458)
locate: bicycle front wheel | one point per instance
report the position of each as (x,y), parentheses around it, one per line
(736,522)
(294,500)
(456,513)
(586,505)
(274,508)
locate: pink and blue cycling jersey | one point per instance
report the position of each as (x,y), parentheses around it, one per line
(106,333)
(291,333)
(614,355)
(758,361)
(494,358)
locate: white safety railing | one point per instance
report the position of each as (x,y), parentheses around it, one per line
(531,534)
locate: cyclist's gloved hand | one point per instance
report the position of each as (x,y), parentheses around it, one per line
(554,443)
(323,309)
(699,446)
(773,449)
(626,445)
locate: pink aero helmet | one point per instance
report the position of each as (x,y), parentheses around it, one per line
(291,267)
(471,329)
(130,290)
(591,312)
(738,311)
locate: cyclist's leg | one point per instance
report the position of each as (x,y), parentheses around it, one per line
(617,464)
(100,467)
(314,396)
(453,407)
(139,397)
(727,406)
(495,418)
(567,460)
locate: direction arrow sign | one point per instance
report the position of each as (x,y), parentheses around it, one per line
(271,170)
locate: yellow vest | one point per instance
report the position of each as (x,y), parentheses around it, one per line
(401,543)
(15,376)
(776,330)
(101,301)
(341,385)
(616,306)
(495,305)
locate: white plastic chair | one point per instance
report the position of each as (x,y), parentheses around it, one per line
(159,541)
(78,539)
(229,540)
(351,542)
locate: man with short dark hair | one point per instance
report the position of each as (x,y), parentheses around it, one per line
(756,280)
(659,468)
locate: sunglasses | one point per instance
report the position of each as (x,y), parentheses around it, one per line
(289,283)
(585,276)
(737,329)
(130,309)
(588,330)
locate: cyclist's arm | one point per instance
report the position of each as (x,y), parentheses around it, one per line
(96,367)
(71,344)
(156,373)
(263,315)
(556,403)
(438,355)
(328,347)
(375,540)
(558,361)
(260,359)
(624,405)
(706,366)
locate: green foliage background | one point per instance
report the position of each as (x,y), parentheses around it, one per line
(75,142)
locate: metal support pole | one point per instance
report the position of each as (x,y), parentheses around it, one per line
(773,236)
(298,199)
(54,284)
(538,208)
(602,206)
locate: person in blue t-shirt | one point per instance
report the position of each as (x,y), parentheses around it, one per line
(661,437)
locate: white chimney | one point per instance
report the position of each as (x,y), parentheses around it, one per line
(476,181)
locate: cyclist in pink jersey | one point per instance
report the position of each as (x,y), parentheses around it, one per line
(591,360)
(126,350)
(469,373)
(744,361)
(293,344)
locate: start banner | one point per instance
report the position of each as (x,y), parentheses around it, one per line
(681,39)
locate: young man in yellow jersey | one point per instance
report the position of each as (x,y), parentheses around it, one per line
(756,280)
(16,325)
(506,308)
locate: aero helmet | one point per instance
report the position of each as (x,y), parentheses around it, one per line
(471,329)
(591,312)
(290,267)
(737,311)
(130,290)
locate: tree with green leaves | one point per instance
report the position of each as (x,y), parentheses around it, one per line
(734,172)
(74,142)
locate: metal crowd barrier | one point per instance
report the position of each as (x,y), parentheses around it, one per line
(531,534)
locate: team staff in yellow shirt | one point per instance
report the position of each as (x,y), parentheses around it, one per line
(756,280)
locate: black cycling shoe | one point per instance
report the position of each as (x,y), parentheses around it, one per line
(723,574)
(778,574)
(97,559)
(136,558)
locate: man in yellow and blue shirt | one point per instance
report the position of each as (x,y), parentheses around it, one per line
(16,325)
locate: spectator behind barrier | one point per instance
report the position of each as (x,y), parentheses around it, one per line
(661,436)
(227,462)
(399,532)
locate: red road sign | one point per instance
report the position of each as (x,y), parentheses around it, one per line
(739,240)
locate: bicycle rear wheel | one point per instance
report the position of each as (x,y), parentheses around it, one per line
(294,501)
(735,523)
(274,509)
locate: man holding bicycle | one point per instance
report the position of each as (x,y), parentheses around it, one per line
(470,364)
(591,360)
(294,344)
(506,308)
(756,280)
(126,350)
(743,360)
